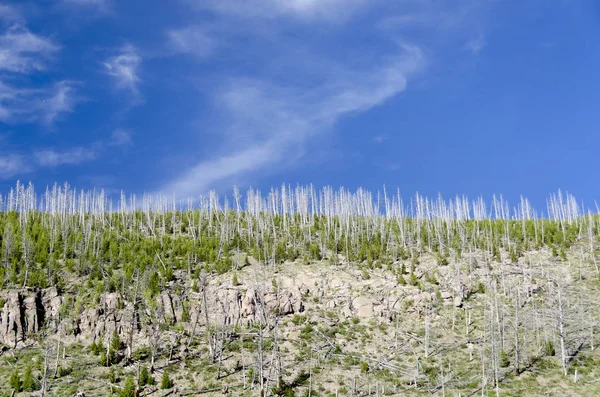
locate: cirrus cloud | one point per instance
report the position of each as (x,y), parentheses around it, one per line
(271,124)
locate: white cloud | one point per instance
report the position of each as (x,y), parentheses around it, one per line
(53,157)
(120,137)
(206,173)
(272,124)
(332,10)
(62,99)
(124,68)
(95,3)
(24,52)
(15,164)
(274,119)
(192,40)
(476,44)
(431,16)
(11,165)
(30,105)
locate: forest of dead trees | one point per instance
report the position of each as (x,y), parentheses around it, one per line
(524,282)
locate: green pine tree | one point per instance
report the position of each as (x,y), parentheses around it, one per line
(115,341)
(549,349)
(166,382)
(129,388)
(15,381)
(145,377)
(94,348)
(112,375)
(103,359)
(28,380)
(503,360)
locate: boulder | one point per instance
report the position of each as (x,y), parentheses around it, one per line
(363,306)
(458,301)
(365,311)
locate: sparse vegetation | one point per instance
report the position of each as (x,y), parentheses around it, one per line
(442,296)
(166,382)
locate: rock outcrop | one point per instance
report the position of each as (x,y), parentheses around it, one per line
(26,311)
(22,315)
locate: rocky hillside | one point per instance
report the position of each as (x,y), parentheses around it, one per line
(302,293)
(318,329)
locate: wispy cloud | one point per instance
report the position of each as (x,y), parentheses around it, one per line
(298,92)
(120,137)
(430,16)
(193,40)
(31,105)
(379,139)
(50,157)
(476,44)
(22,51)
(271,124)
(93,3)
(62,99)
(11,165)
(124,69)
(73,156)
(332,10)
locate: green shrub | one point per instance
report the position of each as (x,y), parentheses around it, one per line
(112,375)
(298,319)
(365,275)
(95,349)
(103,360)
(503,360)
(145,377)
(15,381)
(129,389)
(549,349)
(364,367)
(481,288)
(64,371)
(185,312)
(29,383)
(413,279)
(166,382)
(115,341)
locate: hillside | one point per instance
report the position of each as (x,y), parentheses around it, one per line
(303,292)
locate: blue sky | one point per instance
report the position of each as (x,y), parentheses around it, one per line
(457,97)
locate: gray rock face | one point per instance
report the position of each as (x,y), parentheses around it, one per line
(26,311)
(22,315)
(51,301)
(12,320)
